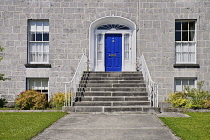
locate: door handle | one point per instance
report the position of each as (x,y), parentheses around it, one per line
(112,54)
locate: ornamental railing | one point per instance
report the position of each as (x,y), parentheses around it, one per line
(72,86)
(152,87)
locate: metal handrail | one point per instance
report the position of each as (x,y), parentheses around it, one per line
(152,87)
(72,86)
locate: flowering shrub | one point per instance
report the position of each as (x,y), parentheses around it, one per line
(191,98)
(178,99)
(58,100)
(31,100)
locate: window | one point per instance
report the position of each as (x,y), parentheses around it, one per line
(38,84)
(185,33)
(180,83)
(126,47)
(38,42)
(99,46)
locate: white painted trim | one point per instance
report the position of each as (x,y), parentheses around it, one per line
(93,43)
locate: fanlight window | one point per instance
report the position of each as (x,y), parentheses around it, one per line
(113,27)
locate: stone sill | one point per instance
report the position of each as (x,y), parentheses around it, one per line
(38,65)
(186,66)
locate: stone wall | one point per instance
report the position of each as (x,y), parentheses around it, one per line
(69,22)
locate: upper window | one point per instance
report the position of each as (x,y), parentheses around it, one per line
(180,83)
(185,37)
(38,42)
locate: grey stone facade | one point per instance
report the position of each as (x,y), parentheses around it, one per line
(69,22)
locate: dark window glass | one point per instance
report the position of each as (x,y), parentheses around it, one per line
(177,25)
(184,36)
(32,36)
(192,25)
(178,36)
(38,36)
(46,37)
(184,25)
(192,36)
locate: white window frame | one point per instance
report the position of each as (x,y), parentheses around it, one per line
(182,79)
(43,45)
(38,88)
(185,42)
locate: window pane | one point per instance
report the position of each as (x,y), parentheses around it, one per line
(184,57)
(32,36)
(178,47)
(99,46)
(45,47)
(46,26)
(191,47)
(192,57)
(39,26)
(178,57)
(185,26)
(178,85)
(177,25)
(184,83)
(185,47)
(192,25)
(126,47)
(192,36)
(192,83)
(178,36)
(33,26)
(184,35)
(45,84)
(39,36)
(32,51)
(46,36)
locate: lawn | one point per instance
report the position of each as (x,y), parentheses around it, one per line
(196,127)
(25,125)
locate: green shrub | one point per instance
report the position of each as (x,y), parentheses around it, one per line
(2,102)
(191,97)
(58,100)
(178,99)
(197,97)
(31,100)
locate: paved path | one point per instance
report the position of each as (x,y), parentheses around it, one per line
(107,127)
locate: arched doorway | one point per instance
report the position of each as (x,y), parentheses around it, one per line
(112,44)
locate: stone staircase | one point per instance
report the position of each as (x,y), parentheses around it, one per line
(112,92)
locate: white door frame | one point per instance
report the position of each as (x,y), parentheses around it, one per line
(99,65)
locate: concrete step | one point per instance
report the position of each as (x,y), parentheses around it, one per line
(110,109)
(116,98)
(101,85)
(115,89)
(112,103)
(110,93)
(114,74)
(112,78)
(113,81)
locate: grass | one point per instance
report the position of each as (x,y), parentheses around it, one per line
(25,125)
(196,127)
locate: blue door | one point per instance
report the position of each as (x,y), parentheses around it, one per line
(113,52)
